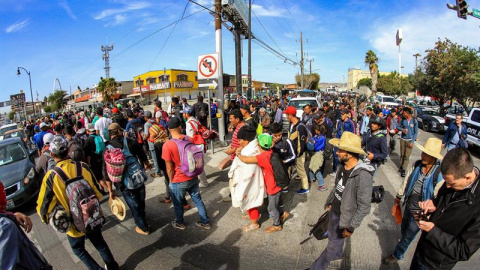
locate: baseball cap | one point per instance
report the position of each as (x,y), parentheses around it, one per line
(90,127)
(58,145)
(174,122)
(265,140)
(245,107)
(43,125)
(47,138)
(370,108)
(186,110)
(318,115)
(290,110)
(114,110)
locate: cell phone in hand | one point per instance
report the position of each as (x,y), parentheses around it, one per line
(418,215)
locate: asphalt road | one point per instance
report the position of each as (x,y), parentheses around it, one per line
(225,246)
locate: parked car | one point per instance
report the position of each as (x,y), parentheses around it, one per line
(17,168)
(6,128)
(388,101)
(429,119)
(472,120)
(299,103)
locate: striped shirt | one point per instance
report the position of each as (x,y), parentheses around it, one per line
(235,143)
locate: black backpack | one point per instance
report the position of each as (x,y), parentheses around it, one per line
(320,229)
(76,150)
(280,172)
(200,112)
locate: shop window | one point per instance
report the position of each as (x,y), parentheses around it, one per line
(182,78)
(151,80)
(139,82)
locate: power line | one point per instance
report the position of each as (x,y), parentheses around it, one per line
(295,21)
(283,18)
(261,24)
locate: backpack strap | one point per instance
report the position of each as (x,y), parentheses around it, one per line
(193,126)
(78,168)
(63,176)
(435,175)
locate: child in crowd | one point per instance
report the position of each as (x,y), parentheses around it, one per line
(263,160)
(316,162)
(283,147)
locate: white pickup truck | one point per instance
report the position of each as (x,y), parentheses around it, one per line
(473,125)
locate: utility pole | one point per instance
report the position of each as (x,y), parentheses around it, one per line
(249,90)
(310,60)
(218,47)
(416,57)
(106,56)
(238,59)
(302,79)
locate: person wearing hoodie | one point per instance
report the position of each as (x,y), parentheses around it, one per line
(375,143)
(349,202)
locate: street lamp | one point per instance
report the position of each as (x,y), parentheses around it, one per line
(30,79)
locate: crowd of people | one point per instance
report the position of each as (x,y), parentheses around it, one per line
(109,150)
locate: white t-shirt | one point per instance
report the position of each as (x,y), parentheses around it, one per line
(101,125)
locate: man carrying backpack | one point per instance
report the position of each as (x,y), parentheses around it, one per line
(94,148)
(161,116)
(200,111)
(375,143)
(54,191)
(132,185)
(422,182)
(192,127)
(117,117)
(75,146)
(45,162)
(149,123)
(175,152)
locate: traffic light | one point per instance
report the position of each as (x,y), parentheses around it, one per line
(462,9)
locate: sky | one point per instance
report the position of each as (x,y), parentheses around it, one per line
(60,40)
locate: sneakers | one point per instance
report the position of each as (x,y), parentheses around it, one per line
(285,189)
(303,191)
(284,217)
(273,228)
(227,199)
(322,188)
(390,260)
(164,200)
(205,226)
(140,231)
(153,175)
(187,207)
(333,174)
(202,185)
(180,226)
(403,173)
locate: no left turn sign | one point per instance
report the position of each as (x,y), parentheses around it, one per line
(208,66)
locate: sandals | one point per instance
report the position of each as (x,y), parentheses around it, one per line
(273,228)
(284,217)
(250,227)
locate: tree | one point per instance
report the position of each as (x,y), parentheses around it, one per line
(56,99)
(393,85)
(450,72)
(11,115)
(365,82)
(371,61)
(47,109)
(108,88)
(311,80)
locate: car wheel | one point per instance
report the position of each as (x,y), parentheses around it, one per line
(426,128)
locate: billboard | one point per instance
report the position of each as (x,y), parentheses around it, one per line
(17,100)
(237,10)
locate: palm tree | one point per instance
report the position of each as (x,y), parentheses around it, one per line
(371,60)
(107,87)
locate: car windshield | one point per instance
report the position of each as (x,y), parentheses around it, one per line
(13,135)
(5,129)
(11,153)
(388,99)
(299,104)
(434,113)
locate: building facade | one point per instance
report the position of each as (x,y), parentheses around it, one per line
(356,74)
(168,83)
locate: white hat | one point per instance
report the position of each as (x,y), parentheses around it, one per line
(43,125)
(47,138)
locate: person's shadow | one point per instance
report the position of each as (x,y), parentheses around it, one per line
(226,256)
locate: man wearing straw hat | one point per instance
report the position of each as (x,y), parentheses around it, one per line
(421,183)
(349,202)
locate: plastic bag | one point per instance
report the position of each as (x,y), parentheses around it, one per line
(397,213)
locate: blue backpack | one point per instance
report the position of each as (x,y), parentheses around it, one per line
(134,175)
(99,144)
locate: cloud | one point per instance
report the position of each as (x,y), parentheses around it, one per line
(127,8)
(66,7)
(205,3)
(199,35)
(267,12)
(17,26)
(421,29)
(117,20)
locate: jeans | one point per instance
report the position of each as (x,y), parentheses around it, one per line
(135,200)
(451,146)
(178,191)
(155,162)
(409,230)
(418,264)
(317,175)
(376,166)
(273,209)
(96,238)
(334,249)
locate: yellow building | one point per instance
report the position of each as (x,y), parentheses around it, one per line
(171,82)
(356,74)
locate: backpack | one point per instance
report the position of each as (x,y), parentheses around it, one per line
(153,132)
(164,119)
(115,163)
(75,150)
(51,162)
(134,175)
(135,132)
(280,172)
(200,112)
(99,144)
(191,157)
(197,134)
(320,229)
(85,210)
(310,141)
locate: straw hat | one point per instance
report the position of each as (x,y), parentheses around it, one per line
(117,207)
(433,147)
(349,142)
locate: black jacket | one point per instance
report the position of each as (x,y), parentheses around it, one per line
(377,145)
(455,236)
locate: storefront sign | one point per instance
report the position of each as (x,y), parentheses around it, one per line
(145,88)
(183,84)
(163,85)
